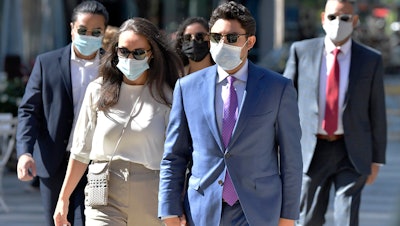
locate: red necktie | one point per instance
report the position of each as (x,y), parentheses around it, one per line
(330,122)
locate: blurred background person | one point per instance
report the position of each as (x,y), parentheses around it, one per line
(110,33)
(135,87)
(50,107)
(193,44)
(341,102)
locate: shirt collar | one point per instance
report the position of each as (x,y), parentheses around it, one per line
(241,74)
(329,46)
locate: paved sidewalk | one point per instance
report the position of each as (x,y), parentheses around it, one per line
(25,206)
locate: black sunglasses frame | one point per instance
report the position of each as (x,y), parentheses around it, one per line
(83,31)
(342,17)
(138,54)
(230,38)
(199,37)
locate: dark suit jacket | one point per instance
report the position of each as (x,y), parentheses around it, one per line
(46,113)
(268,125)
(364,116)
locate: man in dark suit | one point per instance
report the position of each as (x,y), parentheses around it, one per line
(342,115)
(247,171)
(51,105)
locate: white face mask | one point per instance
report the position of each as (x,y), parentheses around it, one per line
(337,30)
(132,68)
(226,56)
(87,44)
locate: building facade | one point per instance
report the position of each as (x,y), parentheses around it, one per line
(30,27)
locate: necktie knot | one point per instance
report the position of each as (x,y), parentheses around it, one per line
(231,79)
(336,51)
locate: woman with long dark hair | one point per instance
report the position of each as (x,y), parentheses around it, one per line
(133,94)
(193,44)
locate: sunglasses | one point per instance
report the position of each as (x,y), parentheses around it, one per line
(230,38)
(199,37)
(343,17)
(138,54)
(95,32)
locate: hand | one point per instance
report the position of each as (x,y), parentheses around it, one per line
(183,220)
(61,213)
(374,173)
(175,221)
(285,222)
(26,167)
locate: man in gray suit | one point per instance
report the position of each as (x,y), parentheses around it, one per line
(259,159)
(343,118)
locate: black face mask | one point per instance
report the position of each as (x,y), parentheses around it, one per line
(194,50)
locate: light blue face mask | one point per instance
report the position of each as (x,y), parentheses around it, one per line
(132,68)
(87,44)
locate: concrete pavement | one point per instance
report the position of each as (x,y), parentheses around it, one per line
(380,201)
(25,207)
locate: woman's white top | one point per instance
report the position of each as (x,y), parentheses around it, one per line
(97,132)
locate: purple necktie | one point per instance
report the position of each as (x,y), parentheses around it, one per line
(228,123)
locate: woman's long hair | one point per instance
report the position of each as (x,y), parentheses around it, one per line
(165,65)
(179,35)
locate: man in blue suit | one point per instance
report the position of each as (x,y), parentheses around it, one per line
(345,148)
(51,105)
(260,161)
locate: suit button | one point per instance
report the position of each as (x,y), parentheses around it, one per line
(65,141)
(220,182)
(228,155)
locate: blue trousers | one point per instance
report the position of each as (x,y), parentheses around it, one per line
(233,215)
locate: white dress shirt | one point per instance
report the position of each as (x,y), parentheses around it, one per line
(82,73)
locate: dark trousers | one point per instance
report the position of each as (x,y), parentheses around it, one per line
(50,190)
(232,215)
(331,166)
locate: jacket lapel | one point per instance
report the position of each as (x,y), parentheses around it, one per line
(311,79)
(207,93)
(65,66)
(353,72)
(251,98)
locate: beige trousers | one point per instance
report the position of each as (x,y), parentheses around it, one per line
(132,197)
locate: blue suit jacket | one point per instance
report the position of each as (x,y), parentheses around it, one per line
(45,115)
(364,116)
(268,187)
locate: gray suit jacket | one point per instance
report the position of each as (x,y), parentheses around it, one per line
(268,187)
(364,116)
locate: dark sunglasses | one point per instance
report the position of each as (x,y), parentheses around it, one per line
(83,31)
(199,37)
(138,54)
(343,17)
(230,38)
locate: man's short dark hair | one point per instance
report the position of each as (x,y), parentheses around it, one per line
(235,11)
(93,7)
